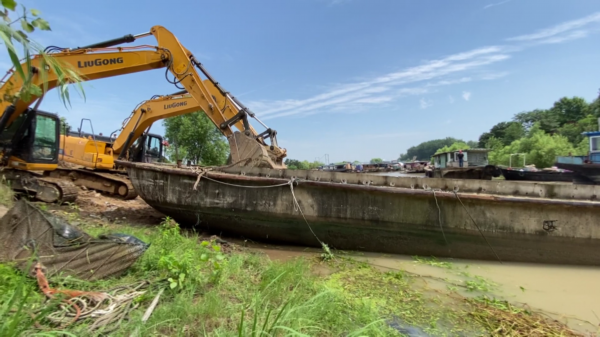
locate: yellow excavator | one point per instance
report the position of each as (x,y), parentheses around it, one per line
(29,137)
(92,157)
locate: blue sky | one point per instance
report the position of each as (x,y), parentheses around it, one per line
(354,79)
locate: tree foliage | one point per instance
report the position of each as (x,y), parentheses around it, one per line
(539,147)
(460,145)
(541,134)
(64,126)
(294,164)
(544,134)
(425,150)
(21,48)
(376,161)
(196,139)
(506,132)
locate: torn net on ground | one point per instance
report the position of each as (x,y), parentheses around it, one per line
(26,231)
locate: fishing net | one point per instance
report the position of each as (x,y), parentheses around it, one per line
(27,231)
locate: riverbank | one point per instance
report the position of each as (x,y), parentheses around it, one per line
(231,289)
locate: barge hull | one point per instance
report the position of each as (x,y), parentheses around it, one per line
(379,219)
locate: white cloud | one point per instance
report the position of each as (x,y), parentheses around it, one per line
(462,67)
(578,34)
(466,95)
(379,99)
(424,104)
(559,29)
(369,91)
(496,4)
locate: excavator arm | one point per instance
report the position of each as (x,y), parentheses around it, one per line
(161,107)
(103,60)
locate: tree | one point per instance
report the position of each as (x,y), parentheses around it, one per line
(425,150)
(472,144)
(594,107)
(573,131)
(454,147)
(12,38)
(197,139)
(294,164)
(548,120)
(527,119)
(540,148)
(64,126)
(499,131)
(570,109)
(513,132)
(376,160)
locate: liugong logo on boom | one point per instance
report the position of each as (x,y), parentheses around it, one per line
(99,62)
(175,105)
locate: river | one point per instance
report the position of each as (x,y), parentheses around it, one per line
(567,293)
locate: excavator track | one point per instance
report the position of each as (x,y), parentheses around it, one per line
(42,188)
(112,183)
(68,191)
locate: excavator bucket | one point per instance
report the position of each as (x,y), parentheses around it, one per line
(246,151)
(29,235)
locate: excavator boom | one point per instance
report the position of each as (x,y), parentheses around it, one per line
(162,107)
(103,60)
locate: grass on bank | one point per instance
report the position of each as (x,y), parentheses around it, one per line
(222,290)
(6,195)
(213,292)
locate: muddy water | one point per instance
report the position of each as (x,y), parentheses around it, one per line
(567,293)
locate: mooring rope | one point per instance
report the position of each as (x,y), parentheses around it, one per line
(477,226)
(298,208)
(440,218)
(291,182)
(243,186)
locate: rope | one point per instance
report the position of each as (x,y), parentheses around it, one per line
(235,185)
(297,208)
(439,213)
(477,226)
(201,171)
(110,309)
(440,219)
(294,199)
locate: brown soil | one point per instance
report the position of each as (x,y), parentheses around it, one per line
(96,205)
(96,208)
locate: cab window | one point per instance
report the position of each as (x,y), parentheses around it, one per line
(154,147)
(44,144)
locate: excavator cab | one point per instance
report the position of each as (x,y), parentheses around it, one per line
(31,142)
(148,149)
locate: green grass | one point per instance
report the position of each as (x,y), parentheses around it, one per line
(6,195)
(215,290)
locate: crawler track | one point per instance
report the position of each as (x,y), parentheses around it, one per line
(112,183)
(67,190)
(46,189)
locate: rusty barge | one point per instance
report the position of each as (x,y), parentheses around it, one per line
(475,219)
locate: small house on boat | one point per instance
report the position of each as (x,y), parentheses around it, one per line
(475,165)
(586,169)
